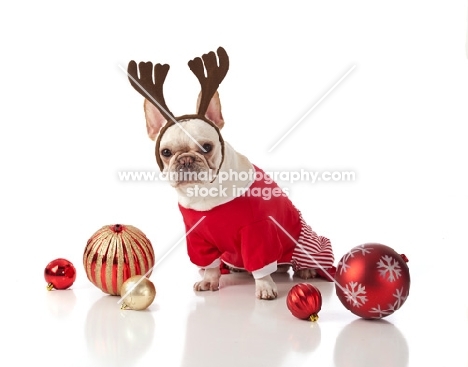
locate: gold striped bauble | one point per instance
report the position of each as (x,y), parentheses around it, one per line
(115,253)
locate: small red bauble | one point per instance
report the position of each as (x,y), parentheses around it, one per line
(115,253)
(304,301)
(372,280)
(59,274)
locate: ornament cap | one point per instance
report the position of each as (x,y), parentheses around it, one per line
(117,228)
(50,286)
(314,317)
(405,259)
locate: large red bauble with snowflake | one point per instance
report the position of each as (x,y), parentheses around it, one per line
(372,280)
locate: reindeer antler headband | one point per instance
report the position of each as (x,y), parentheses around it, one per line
(153,90)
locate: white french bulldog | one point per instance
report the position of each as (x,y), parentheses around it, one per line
(235,216)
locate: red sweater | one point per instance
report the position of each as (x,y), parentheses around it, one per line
(241,234)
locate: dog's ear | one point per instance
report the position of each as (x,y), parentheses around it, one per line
(213,112)
(154,119)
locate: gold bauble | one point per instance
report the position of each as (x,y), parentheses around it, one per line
(137,293)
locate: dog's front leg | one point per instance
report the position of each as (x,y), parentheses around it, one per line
(265,288)
(210,280)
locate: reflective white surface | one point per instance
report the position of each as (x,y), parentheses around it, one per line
(85,327)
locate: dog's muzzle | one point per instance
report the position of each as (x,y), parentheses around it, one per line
(181,119)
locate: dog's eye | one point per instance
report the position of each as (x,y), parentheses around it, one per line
(166,153)
(207,147)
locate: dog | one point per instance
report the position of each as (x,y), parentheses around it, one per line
(235,216)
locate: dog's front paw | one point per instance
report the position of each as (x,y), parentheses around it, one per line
(305,273)
(265,288)
(210,281)
(206,285)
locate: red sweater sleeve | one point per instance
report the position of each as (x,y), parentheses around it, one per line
(201,252)
(260,244)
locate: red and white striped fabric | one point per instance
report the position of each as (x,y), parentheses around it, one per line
(312,251)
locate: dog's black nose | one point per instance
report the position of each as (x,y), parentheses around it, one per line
(186,161)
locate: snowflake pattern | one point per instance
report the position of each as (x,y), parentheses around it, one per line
(390,267)
(392,307)
(342,264)
(400,298)
(355,294)
(381,313)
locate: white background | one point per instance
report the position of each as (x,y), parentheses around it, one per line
(70,121)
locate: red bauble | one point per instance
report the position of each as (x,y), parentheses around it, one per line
(115,253)
(304,301)
(59,274)
(372,280)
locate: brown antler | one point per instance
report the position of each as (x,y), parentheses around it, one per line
(152,91)
(214,75)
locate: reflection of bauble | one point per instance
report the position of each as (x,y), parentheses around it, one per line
(115,337)
(137,293)
(377,343)
(305,340)
(60,304)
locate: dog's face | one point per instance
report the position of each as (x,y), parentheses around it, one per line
(190,152)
